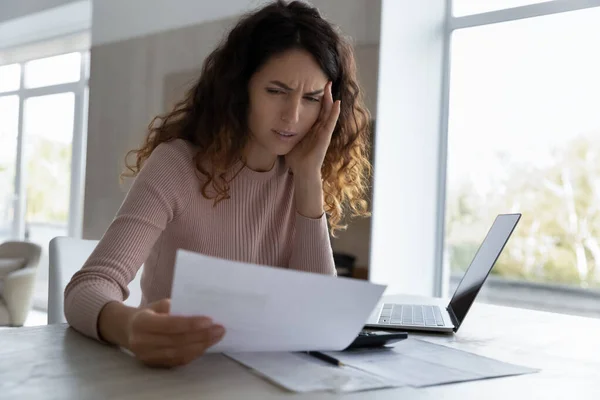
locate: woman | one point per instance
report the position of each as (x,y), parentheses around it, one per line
(271,138)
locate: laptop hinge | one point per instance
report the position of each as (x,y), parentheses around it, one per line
(453,318)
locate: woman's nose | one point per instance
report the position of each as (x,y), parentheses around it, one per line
(291,112)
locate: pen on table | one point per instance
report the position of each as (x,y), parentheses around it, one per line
(326,358)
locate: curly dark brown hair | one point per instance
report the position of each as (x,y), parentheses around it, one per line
(213,114)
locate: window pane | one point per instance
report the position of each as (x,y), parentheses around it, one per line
(48,123)
(524,136)
(9,117)
(10,77)
(53,70)
(469,7)
(48,129)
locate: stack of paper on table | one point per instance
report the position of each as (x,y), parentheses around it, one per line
(299,372)
(269,312)
(419,363)
(410,363)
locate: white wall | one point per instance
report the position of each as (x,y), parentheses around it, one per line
(116,20)
(407,143)
(42,20)
(10,9)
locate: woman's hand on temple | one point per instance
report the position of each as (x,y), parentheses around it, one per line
(306,158)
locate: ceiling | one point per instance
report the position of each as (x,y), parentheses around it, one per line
(29,21)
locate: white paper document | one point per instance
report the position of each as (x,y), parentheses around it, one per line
(302,373)
(271,309)
(419,363)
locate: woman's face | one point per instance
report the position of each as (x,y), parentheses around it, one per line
(285,101)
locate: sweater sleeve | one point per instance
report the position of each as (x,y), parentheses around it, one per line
(159,193)
(311,249)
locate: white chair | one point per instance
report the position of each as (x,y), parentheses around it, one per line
(67,256)
(18,268)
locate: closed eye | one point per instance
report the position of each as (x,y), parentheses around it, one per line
(312,99)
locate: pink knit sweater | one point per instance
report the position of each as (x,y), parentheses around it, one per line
(165,211)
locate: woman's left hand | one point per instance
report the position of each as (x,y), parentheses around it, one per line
(306,158)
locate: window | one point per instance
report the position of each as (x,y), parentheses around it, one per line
(65,68)
(42,136)
(524,136)
(10,78)
(9,122)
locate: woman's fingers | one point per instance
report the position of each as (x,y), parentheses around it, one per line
(153,340)
(173,356)
(321,130)
(323,112)
(329,125)
(332,110)
(148,321)
(327,104)
(159,339)
(173,351)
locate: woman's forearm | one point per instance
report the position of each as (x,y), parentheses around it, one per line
(308,192)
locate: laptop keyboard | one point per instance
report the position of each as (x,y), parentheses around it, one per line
(408,314)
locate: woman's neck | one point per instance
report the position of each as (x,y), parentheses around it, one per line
(257,158)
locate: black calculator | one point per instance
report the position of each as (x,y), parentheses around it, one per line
(367,338)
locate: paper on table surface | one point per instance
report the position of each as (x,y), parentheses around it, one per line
(302,373)
(420,363)
(271,309)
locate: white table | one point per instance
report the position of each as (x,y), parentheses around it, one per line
(55,362)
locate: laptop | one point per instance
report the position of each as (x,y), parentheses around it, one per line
(421,317)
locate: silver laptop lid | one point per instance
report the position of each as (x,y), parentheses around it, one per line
(480,267)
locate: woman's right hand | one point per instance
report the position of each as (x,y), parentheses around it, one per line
(162,340)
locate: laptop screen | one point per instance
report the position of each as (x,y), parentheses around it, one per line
(482,264)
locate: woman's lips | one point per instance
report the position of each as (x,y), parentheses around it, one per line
(285,134)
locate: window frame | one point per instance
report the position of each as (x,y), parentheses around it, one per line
(80,89)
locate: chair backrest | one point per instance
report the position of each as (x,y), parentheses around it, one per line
(31,252)
(66,256)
